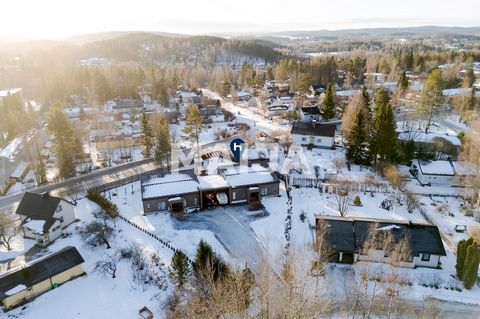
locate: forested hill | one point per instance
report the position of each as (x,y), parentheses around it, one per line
(155,48)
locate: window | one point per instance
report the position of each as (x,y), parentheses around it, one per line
(425,257)
(161,205)
(264,191)
(304,139)
(319,141)
(234,195)
(195,201)
(59,208)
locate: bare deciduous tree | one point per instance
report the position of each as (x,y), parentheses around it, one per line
(412,201)
(344,193)
(8,230)
(97,233)
(108,266)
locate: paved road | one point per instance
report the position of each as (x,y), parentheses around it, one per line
(124,172)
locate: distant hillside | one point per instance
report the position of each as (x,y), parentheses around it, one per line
(422,30)
(95,37)
(156,48)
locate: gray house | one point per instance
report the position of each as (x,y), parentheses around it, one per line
(347,240)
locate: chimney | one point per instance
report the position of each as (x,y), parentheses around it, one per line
(45,195)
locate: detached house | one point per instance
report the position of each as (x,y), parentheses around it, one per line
(348,240)
(313,134)
(20,285)
(44,217)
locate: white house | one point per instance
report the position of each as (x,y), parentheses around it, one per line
(44,217)
(433,172)
(313,135)
(309,114)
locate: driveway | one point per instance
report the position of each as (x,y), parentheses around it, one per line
(230,226)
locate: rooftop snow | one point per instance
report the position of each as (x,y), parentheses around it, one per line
(168,179)
(15,290)
(211,181)
(35,225)
(436,167)
(245,179)
(170,189)
(4,93)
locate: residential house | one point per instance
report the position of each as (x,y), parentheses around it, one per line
(20,285)
(439,173)
(310,114)
(317,89)
(348,240)
(185,190)
(44,217)
(313,134)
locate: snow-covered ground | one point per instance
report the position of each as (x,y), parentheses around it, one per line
(99,296)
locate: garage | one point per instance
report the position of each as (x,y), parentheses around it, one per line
(214,191)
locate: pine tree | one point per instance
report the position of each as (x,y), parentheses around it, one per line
(366,103)
(461,252)
(403,82)
(193,125)
(179,268)
(357,140)
(469,78)
(67,146)
(203,257)
(328,104)
(162,141)
(146,139)
(472,259)
(383,136)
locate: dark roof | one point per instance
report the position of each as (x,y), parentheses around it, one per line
(311,110)
(40,269)
(318,87)
(39,207)
(349,235)
(314,130)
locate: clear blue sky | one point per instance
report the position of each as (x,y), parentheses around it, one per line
(60,18)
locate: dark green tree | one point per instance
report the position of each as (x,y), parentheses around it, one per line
(162,141)
(470,271)
(179,268)
(146,138)
(461,253)
(403,82)
(357,140)
(327,110)
(469,78)
(383,136)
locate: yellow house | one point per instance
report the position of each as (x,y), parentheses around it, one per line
(20,285)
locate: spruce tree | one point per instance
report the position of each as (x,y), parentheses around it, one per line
(383,136)
(357,140)
(367,101)
(461,252)
(328,104)
(179,268)
(469,78)
(162,141)
(146,139)
(403,82)
(390,132)
(193,125)
(472,259)
(203,257)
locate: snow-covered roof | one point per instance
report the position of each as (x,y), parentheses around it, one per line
(211,181)
(6,92)
(246,179)
(167,179)
(169,189)
(436,167)
(36,226)
(422,137)
(15,290)
(19,170)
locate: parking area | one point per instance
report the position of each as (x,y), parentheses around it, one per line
(230,225)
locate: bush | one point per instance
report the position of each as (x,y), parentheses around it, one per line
(357,201)
(108,206)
